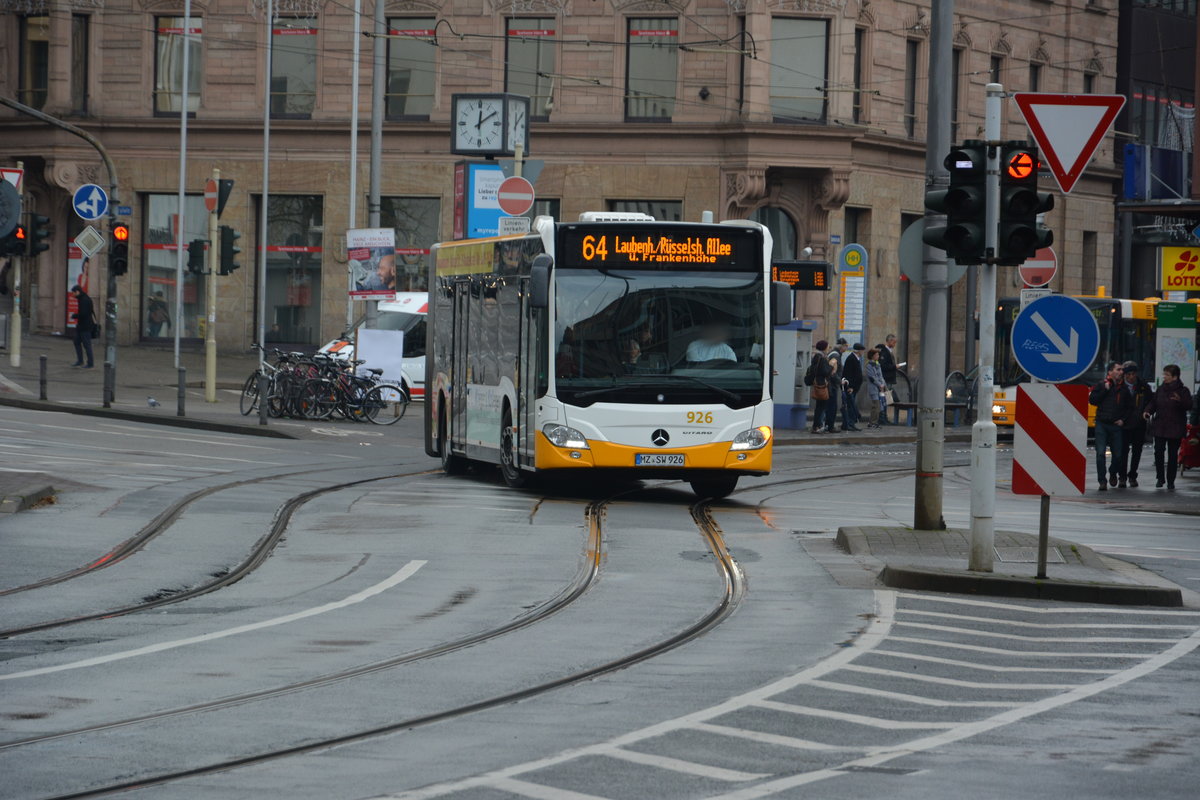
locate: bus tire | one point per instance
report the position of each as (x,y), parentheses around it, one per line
(451,464)
(512,474)
(714,487)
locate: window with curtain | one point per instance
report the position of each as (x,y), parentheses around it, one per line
(411,65)
(417,222)
(34,60)
(529,59)
(293,67)
(799,54)
(170,39)
(652,57)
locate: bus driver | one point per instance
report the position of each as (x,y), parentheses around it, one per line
(711,346)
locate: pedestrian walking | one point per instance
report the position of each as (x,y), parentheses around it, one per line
(1167,414)
(876,390)
(1111,410)
(835,392)
(852,383)
(1133,437)
(85,327)
(818,377)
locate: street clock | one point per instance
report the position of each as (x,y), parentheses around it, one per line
(488,124)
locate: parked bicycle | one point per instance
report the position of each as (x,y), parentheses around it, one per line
(318,386)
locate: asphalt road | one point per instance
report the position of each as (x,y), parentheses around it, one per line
(391,594)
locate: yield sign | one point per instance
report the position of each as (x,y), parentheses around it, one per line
(1068,128)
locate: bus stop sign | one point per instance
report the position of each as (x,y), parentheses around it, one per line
(1055,338)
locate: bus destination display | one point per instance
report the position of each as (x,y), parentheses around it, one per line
(648,247)
(805,275)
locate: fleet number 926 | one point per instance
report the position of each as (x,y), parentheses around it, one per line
(700,417)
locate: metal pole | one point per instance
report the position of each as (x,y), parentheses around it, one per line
(266,182)
(262,398)
(353,205)
(378,70)
(210,325)
(1043,537)
(181,398)
(983,432)
(181,226)
(108,384)
(42,378)
(14,325)
(931,415)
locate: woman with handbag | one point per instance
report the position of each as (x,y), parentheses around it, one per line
(85,327)
(819,373)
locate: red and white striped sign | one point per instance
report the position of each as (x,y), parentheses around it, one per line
(1050,439)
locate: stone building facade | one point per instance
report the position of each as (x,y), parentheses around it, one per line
(809,115)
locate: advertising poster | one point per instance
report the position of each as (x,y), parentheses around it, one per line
(372,262)
(477,200)
(78,270)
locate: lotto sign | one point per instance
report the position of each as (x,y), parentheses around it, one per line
(1180,269)
(1050,439)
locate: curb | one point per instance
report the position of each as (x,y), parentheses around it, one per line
(26,498)
(1029,588)
(132,416)
(782,440)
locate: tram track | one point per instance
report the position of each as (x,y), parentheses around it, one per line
(259,553)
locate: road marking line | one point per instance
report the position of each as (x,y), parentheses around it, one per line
(858,719)
(988,667)
(975,648)
(1045,625)
(686,767)
(404,573)
(539,792)
(772,738)
(909,698)
(891,673)
(1041,639)
(964,601)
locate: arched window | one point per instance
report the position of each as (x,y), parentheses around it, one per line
(782,228)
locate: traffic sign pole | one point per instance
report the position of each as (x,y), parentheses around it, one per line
(210,325)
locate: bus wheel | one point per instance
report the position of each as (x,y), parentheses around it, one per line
(451,464)
(509,470)
(716,488)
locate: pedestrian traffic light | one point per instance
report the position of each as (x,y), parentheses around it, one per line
(14,243)
(228,250)
(196,255)
(963,237)
(39,234)
(118,249)
(1020,235)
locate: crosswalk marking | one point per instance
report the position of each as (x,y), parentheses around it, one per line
(772,738)
(1045,625)
(976,648)
(909,676)
(858,719)
(988,667)
(686,767)
(910,698)
(1019,638)
(967,601)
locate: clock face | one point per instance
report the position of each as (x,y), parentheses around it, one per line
(479,124)
(518,124)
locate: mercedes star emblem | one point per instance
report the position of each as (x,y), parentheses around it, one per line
(660,437)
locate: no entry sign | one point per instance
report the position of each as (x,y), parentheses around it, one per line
(515,196)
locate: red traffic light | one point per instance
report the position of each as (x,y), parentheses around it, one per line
(19,233)
(121,233)
(1021,165)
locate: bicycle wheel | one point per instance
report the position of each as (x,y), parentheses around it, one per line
(385,404)
(276,400)
(318,399)
(249,399)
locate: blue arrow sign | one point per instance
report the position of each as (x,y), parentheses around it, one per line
(1055,338)
(90,201)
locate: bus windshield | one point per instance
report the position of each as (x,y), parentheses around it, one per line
(658,336)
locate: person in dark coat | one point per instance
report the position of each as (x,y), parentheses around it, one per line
(887,360)
(1167,414)
(85,323)
(1133,437)
(1112,407)
(820,371)
(852,381)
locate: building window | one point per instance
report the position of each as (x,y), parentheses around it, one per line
(35,61)
(995,69)
(782,228)
(911,65)
(798,58)
(956,61)
(294,241)
(160,287)
(293,67)
(860,56)
(170,40)
(651,66)
(1035,78)
(529,61)
(79,63)
(417,223)
(663,210)
(1087,279)
(411,68)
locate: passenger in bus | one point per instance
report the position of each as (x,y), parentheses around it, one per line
(712,344)
(630,354)
(565,364)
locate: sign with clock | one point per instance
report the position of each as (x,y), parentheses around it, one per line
(489,124)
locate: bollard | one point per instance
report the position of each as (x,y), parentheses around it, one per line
(42,378)
(262,399)
(108,384)
(182,391)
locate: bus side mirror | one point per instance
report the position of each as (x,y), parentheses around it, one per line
(539,281)
(781,303)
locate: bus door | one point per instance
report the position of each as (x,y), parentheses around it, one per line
(460,359)
(527,382)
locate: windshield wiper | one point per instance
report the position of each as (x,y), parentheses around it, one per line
(728,395)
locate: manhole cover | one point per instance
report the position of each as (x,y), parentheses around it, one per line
(1028,555)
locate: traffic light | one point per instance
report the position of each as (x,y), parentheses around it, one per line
(118,249)
(196,255)
(228,250)
(1020,235)
(14,243)
(963,237)
(39,233)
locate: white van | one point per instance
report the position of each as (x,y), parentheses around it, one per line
(404,313)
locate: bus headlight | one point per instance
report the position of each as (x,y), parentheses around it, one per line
(562,436)
(753,439)
(997,409)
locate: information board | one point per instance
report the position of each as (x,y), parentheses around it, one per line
(802,275)
(649,246)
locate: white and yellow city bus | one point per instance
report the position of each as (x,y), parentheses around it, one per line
(615,343)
